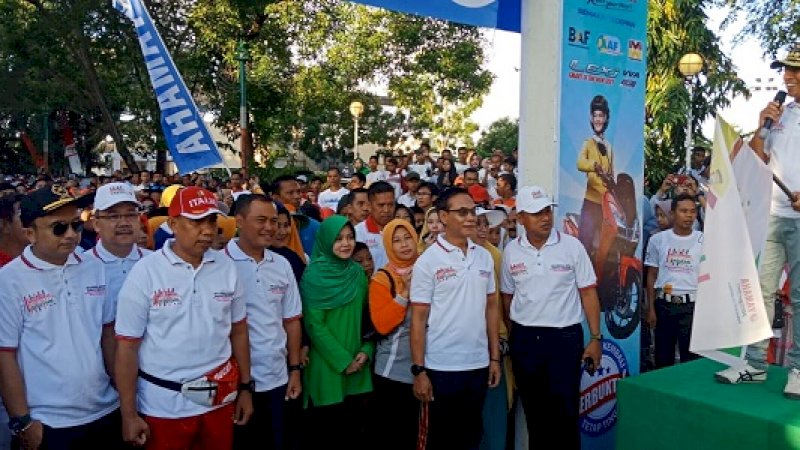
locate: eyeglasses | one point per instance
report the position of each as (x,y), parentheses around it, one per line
(464,212)
(59,228)
(131,216)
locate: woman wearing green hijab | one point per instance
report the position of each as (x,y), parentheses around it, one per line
(334,291)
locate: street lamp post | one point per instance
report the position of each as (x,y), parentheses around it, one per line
(243,57)
(690,65)
(356,108)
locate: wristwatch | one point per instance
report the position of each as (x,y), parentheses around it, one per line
(250,386)
(19,424)
(596,337)
(416,370)
(292,368)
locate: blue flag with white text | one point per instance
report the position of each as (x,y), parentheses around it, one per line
(500,14)
(188,139)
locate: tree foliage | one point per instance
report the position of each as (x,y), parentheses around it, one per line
(502,134)
(677,27)
(308,60)
(775,23)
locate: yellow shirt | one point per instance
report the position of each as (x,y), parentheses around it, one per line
(590,154)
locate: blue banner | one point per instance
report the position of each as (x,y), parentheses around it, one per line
(188,139)
(501,14)
(601,176)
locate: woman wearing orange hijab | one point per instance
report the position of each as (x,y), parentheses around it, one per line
(391,317)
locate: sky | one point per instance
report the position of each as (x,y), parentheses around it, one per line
(503,55)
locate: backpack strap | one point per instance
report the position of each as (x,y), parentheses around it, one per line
(391,282)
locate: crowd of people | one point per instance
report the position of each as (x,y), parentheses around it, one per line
(147,310)
(411,306)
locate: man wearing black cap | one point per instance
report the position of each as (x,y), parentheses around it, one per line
(56,345)
(780,151)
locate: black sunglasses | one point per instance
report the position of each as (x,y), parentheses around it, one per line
(59,228)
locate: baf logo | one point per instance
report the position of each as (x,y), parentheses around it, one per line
(598,405)
(608,45)
(474,3)
(578,37)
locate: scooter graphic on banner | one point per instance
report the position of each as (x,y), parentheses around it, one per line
(618,271)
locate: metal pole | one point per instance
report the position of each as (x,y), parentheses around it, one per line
(355,137)
(243,116)
(689,139)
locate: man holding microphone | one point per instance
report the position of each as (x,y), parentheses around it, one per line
(776,143)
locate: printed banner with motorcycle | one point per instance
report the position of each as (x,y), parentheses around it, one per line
(600,184)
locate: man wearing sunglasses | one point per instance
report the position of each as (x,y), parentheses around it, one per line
(54,333)
(455,348)
(116,220)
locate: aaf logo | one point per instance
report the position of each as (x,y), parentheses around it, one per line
(609,45)
(598,404)
(578,37)
(635,50)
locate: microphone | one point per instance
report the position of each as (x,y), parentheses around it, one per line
(780,97)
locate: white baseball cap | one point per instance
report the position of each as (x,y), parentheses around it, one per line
(111,194)
(533,199)
(494,216)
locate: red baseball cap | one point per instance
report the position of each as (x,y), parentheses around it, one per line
(479,193)
(193,203)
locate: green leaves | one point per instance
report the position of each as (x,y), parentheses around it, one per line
(677,27)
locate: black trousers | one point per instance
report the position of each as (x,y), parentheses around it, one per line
(396,408)
(547,370)
(103,433)
(266,428)
(342,425)
(455,416)
(673,326)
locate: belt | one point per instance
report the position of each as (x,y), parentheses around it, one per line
(678,299)
(166,384)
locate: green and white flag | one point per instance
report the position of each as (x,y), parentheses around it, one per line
(729,310)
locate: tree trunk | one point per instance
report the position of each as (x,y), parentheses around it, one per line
(96,92)
(161,160)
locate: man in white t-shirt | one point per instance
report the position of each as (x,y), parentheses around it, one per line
(329,198)
(673,265)
(454,329)
(381,212)
(273,318)
(394,176)
(183,351)
(780,151)
(548,287)
(461,162)
(116,221)
(374,174)
(413,182)
(56,333)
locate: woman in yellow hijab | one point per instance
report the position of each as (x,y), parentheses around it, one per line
(391,317)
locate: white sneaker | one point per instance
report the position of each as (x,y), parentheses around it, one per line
(792,389)
(746,374)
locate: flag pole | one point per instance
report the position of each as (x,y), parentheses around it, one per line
(784,188)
